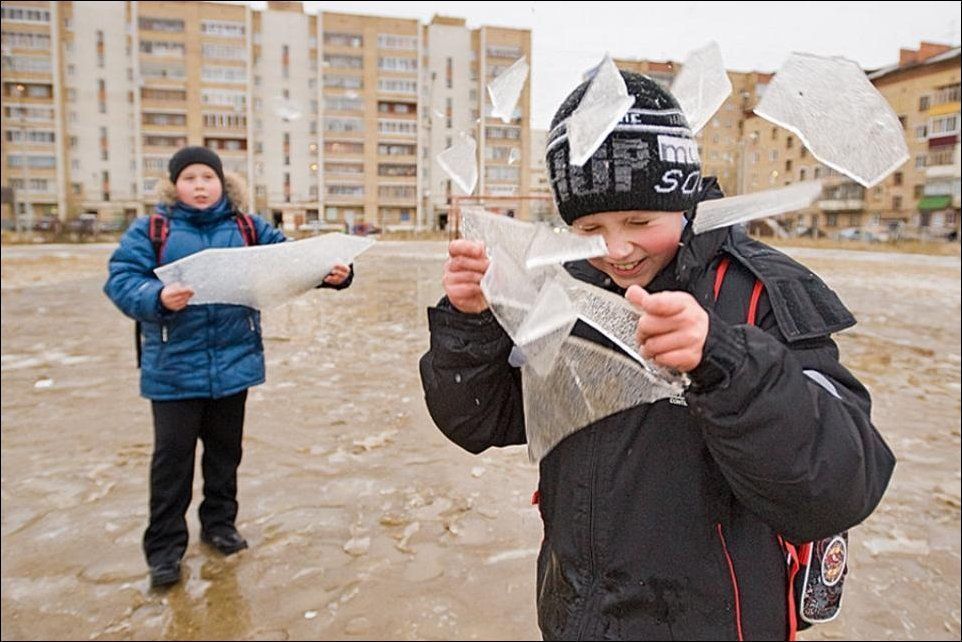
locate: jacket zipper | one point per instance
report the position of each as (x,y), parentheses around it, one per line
(591,527)
(734,579)
(250,322)
(163,333)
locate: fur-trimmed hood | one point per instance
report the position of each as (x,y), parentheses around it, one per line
(234,186)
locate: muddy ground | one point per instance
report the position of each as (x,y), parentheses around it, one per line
(364,521)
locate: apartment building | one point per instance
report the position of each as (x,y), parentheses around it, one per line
(325,115)
(32,119)
(459,63)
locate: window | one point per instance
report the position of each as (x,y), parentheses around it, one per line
(343,103)
(390,63)
(397,85)
(947,94)
(392,169)
(343,125)
(343,61)
(24,14)
(161,24)
(897,178)
(924,103)
(896,203)
(224,52)
(343,82)
(943,126)
(397,127)
(392,41)
(333,39)
(920,161)
(921,132)
(396,149)
(21,40)
(343,147)
(222,28)
(224,74)
(162,48)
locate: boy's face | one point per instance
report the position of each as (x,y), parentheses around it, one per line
(640,243)
(198,186)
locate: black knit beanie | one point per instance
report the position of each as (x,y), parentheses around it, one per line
(190,155)
(648,162)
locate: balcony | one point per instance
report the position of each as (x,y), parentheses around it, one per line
(841,205)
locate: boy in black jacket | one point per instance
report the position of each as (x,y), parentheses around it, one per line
(672,520)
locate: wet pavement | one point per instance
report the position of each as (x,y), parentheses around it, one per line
(364,521)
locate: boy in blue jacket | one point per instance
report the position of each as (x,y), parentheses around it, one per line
(197,362)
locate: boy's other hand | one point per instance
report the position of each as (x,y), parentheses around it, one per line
(338,274)
(672,328)
(175,296)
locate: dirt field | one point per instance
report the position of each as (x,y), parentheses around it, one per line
(364,522)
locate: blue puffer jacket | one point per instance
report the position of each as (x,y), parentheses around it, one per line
(202,351)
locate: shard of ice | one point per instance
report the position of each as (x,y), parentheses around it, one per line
(588,383)
(506,88)
(513,156)
(604,103)
(460,162)
(287,109)
(702,86)
(538,303)
(838,114)
(727,211)
(547,325)
(262,276)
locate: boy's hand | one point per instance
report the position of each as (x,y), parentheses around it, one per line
(175,296)
(672,329)
(338,274)
(463,270)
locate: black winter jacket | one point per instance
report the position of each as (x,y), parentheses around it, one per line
(662,521)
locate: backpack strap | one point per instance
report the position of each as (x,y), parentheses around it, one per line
(757,290)
(248,231)
(158,228)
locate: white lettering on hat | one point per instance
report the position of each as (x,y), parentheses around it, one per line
(678,150)
(673,179)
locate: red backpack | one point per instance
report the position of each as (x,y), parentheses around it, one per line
(816,570)
(158,229)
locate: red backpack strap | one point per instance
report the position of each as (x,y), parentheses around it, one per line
(247,229)
(158,228)
(720,272)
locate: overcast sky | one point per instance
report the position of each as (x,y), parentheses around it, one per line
(569,37)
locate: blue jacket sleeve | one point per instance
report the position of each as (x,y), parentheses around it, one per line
(131,282)
(267,233)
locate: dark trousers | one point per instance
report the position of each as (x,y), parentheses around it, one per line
(177,424)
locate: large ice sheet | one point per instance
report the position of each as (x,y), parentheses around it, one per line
(602,106)
(727,211)
(506,88)
(264,275)
(838,114)
(702,86)
(568,382)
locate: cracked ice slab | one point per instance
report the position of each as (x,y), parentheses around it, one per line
(262,276)
(506,88)
(838,114)
(702,86)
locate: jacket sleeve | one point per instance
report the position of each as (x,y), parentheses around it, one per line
(267,233)
(790,429)
(131,282)
(472,393)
